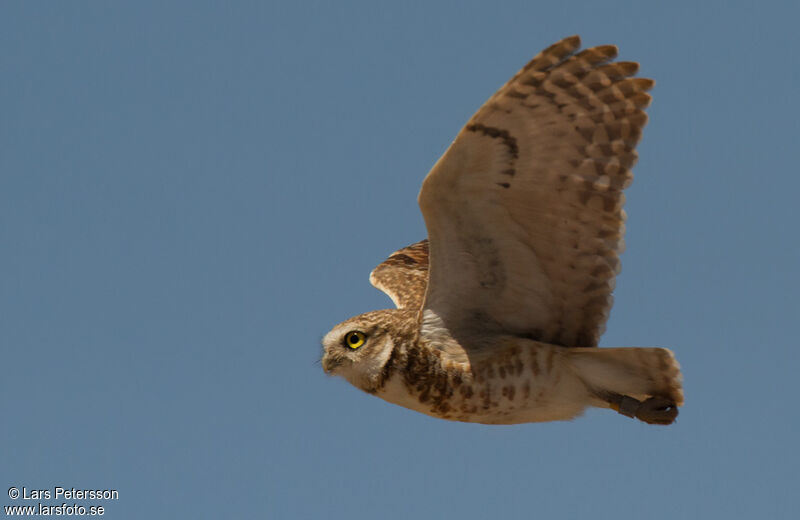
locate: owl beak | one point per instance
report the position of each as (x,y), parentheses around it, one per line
(330,364)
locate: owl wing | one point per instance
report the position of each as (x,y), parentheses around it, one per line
(524,209)
(404,275)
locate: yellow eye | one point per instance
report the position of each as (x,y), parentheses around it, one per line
(354,339)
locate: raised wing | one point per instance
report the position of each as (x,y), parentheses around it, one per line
(524,210)
(404,276)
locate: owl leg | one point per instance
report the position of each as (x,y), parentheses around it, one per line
(655,410)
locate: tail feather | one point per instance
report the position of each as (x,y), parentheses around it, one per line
(635,371)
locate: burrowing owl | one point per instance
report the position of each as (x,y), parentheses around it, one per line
(500,310)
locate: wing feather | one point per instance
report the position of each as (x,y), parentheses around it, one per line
(524,210)
(404,276)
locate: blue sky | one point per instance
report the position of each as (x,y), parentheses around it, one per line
(193,193)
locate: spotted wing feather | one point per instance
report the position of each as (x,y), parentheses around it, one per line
(404,276)
(524,210)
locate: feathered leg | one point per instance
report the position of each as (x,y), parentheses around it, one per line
(637,382)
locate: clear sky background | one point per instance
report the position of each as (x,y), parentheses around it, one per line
(193,193)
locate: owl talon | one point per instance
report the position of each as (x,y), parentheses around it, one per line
(655,410)
(628,406)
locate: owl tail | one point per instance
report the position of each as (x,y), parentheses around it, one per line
(613,374)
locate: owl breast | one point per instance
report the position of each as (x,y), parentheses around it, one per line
(522,381)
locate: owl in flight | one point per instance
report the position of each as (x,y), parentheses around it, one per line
(500,310)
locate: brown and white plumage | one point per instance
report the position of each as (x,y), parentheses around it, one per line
(404,276)
(525,225)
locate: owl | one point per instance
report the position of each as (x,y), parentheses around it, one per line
(499,311)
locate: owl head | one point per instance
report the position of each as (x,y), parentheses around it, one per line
(358,349)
